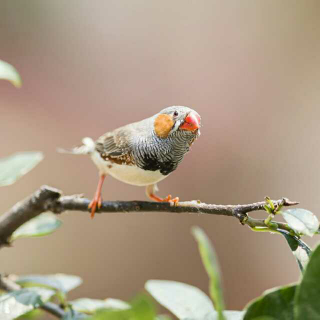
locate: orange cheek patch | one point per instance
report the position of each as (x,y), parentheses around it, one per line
(162,125)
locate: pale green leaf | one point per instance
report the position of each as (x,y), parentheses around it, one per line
(141,308)
(60,282)
(17,303)
(15,166)
(232,315)
(211,265)
(8,72)
(163,317)
(39,226)
(89,306)
(183,300)
(34,314)
(300,250)
(301,221)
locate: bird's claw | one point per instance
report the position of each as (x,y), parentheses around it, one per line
(169,199)
(96,202)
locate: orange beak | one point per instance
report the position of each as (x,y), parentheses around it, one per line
(191,122)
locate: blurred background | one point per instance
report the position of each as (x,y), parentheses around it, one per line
(250,68)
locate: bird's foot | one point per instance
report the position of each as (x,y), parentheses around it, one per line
(170,199)
(166,199)
(96,202)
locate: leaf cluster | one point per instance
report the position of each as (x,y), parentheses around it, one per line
(296,301)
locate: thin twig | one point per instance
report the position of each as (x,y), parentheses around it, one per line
(80,204)
(53,309)
(51,199)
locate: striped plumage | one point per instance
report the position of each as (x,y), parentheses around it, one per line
(144,152)
(138,144)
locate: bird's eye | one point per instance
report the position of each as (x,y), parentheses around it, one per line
(176,113)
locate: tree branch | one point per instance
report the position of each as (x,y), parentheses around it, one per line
(239,211)
(51,199)
(25,210)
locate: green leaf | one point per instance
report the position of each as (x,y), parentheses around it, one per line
(211,265)
(276,303)
(141,309)
(15,166)
(89,306)
(17,303)
(301,221)
(307,296)
(39,226)
(183,300)
(73,315)
(59,282)
(31,315)
(300,250)
(8,72)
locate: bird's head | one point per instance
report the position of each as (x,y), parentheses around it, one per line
(175,120)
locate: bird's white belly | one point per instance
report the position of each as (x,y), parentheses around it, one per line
(125,173)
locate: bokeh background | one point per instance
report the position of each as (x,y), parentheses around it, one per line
(250,68)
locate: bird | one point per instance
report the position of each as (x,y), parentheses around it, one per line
(143,153)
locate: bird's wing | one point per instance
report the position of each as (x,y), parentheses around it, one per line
(115,146)
(118,146)
(111,145)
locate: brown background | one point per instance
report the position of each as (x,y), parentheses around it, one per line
(250,68)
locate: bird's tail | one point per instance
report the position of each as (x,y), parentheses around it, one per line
(86,147)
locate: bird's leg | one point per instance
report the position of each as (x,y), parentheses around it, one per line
(97,201)
(152,189)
